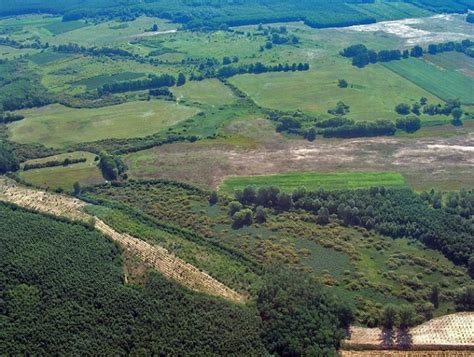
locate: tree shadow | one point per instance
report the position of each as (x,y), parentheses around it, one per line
(387,338)
(404,339)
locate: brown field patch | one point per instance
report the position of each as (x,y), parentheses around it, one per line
(442,163)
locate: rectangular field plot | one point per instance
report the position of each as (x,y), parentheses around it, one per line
(314,181)
(58,126)
(64,177)
(453,61)
(444,83)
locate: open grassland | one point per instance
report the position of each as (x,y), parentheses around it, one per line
(453,61)
(313,181)
(210,91)
(372,94)
(63,177)
(444,83)
(58,126)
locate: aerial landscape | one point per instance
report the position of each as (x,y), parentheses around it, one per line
(237,177)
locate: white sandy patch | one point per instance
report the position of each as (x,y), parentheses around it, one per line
(452,147)
(409,30)
(154,33)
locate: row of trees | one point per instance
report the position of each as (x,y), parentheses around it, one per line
(362,56)
(164,80)
(53,163)
(92,51)
(257,68)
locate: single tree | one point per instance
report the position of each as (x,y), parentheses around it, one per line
(213,198)
(181,80)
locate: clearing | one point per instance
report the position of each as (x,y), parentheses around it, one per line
(58,126)
(373,91)
(443,163)
(454,330)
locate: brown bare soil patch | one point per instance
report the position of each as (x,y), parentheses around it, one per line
(444,163)
(152,256)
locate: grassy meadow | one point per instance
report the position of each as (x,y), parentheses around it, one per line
(313,181)
(373,91)
(63,177)
(59,126)
(211,92)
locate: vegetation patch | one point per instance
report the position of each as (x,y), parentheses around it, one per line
(58,126)
(314,181)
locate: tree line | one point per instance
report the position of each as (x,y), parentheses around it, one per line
(362,56)
(257,68)
(164,80)
(93,51)
(53,163)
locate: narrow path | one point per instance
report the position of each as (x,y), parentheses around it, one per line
(154,256)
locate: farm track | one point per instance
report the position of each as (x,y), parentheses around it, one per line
(153,256)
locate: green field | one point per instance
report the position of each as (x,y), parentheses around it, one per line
(210,91)
(313,181)
(372,94)
(453,61)
(446,84)
(86,173)
(59,126)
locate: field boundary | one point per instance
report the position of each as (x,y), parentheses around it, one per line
(153,256)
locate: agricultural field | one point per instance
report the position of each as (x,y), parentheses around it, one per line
(446,84)
(59,126)
(63,177)
(314,181)
(453,61)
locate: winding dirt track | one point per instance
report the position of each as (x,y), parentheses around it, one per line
(153,256)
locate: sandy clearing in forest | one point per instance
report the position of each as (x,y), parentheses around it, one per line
(449,331)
